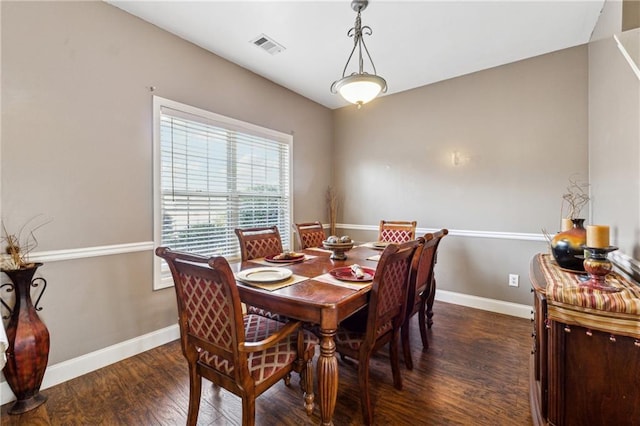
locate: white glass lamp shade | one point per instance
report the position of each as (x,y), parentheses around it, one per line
(360,88)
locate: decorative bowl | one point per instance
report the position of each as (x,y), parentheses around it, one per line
(338,249)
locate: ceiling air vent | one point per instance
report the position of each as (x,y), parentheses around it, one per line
(268,44)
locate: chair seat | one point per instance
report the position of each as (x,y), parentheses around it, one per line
(268,314)
(352,339)
(262,364)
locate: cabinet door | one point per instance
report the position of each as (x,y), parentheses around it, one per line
(594,378)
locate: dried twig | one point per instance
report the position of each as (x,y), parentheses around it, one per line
(18,247)
(332,206)
(575,198)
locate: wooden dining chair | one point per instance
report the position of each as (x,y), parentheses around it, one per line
(358,339)
(431,293)
(254,244)
(396,231)
(420,286)
(258,242)
(245,354)
(310,234)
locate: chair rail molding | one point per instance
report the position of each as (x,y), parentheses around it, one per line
(522,236)
(81,253)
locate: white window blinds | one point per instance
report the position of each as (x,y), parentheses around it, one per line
(216,174)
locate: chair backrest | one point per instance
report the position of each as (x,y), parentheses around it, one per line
(310,234)
(259,242)
(209,309)
(422,270)
(396,231)
(388,297)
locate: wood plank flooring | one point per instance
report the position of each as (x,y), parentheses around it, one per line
(474,373)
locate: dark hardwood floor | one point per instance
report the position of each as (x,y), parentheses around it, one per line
(474,373)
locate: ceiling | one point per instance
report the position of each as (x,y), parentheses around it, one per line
(414,43)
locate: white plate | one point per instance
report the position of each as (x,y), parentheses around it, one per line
(380,244)
(264,275)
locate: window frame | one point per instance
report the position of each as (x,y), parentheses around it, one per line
(161,276)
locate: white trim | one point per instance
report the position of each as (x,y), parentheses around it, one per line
(627,57)
(70,369)
(81,253)
(491,305)
(458,232)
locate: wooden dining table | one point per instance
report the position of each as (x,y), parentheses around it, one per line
(317,302)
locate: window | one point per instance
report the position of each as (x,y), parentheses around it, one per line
(213,174)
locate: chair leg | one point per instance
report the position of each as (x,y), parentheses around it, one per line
(395,364)
(248,411)
(287,379)
(195,386)
(406,345)
(363,380)
(304,364)
(307,377)
(432,296)
(421,322)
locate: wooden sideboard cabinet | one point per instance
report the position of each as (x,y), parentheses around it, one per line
(585,363)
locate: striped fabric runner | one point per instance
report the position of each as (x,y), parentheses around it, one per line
(569,303)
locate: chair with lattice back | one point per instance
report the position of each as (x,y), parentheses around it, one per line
(259,242)
(396,231)
(362,335)
(256,243)
(245,354)
(422,284)
(310,234)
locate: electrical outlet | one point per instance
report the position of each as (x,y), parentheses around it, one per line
(513,280)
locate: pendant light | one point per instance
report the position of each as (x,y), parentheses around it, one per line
(359,87)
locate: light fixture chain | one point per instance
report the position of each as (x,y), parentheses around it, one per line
(359,87)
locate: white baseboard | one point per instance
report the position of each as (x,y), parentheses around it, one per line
(491,305)
(70,369)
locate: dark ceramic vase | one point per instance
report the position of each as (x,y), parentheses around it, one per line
(28,351)
(568,246)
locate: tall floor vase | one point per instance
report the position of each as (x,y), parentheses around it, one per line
(28,351)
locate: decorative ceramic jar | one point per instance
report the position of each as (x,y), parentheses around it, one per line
(568,247)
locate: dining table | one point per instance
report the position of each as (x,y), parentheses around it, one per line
(315,296)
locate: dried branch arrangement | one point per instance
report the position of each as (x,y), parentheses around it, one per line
(332,206)
(18,246)
(574,199)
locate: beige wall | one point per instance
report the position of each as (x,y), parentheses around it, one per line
(77,146)
(521,132)
(614,142)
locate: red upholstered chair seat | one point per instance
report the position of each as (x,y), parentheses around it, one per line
(263,364)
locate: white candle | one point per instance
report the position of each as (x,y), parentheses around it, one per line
(566,224)
(597,236)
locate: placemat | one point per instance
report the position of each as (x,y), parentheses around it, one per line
(293,279)
(329,279)
(318,249)
(371,246)
(261,261)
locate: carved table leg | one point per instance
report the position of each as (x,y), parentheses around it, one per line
(327,376)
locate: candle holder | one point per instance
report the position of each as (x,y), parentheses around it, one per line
(597,264)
